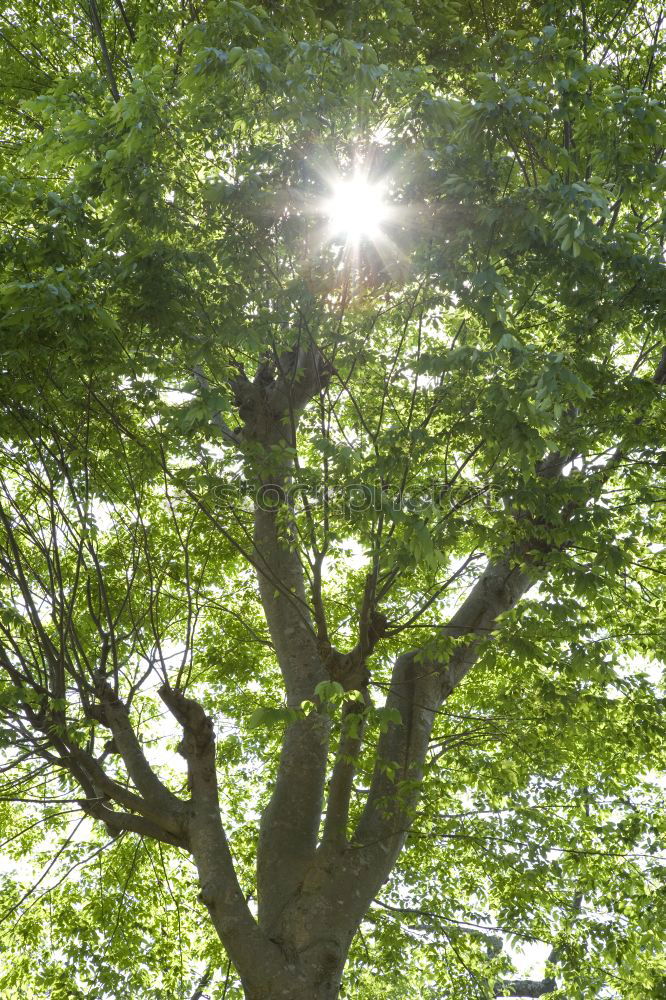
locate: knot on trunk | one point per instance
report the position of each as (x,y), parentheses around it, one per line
(207,898)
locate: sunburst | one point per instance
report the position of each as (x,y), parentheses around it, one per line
(356,210)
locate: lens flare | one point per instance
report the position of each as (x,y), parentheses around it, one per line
(356,210)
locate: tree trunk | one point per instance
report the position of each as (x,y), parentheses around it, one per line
(318,978)
(299,991)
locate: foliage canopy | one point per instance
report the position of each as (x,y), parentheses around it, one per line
(361,542)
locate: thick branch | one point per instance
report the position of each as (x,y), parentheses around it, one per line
(419,684)
(344,769)
(129,748)
(166,824)
(256,958)
(498,589)
(119,822)
(89,772)
(270,406)
(525,988)
(415,694)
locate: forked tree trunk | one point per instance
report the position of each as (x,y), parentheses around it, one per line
(312,893)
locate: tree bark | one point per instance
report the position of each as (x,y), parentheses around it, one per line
(270,406)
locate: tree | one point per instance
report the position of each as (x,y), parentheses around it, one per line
(333,566)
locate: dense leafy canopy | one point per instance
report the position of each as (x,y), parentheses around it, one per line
(481,386)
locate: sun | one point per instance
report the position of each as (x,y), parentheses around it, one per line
(357,209)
